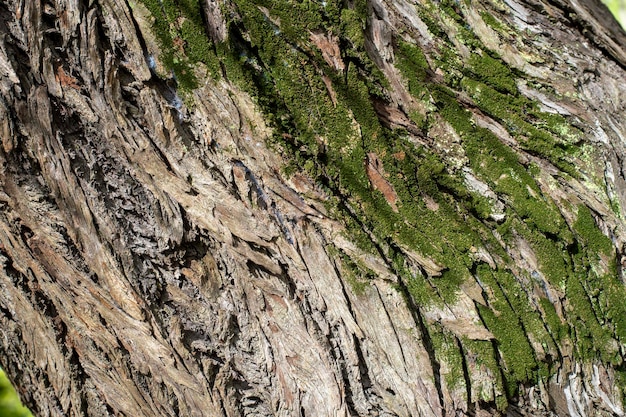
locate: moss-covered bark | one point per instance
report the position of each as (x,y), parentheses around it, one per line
(457,78)
(464,155)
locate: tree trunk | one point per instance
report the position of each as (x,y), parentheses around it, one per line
(369,207)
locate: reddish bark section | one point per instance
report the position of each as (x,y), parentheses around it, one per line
(376,174)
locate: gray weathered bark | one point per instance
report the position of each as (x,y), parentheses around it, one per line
(156,259)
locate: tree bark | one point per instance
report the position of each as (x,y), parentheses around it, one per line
(377,207)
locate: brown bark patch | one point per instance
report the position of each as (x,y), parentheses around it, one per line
(66,80)
(399,155)
(330,49)
(376,174)
(331,91)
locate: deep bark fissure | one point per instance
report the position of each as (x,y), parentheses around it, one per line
(466,374)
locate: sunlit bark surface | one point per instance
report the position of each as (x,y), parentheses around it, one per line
(368,208)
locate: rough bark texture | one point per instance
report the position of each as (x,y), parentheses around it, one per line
(158,259)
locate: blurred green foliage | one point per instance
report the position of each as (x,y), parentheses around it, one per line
(10,404)
(618,8)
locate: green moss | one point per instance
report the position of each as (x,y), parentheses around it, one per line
(558,329)
(591,294)
(495,24)
(353,26)
(541,133)
(341,160)
(481,206)
(620,382)
(422,291)
(451,110)
(596,291)
(592,339)
(357,274)
(508,318)
(179,30)
(612,303)
(410,60)
(512,319)
(492,85)
(481,357)
(589,233)
(599,286)
(551,254)
(518,359)
(448,355)
(498,165)
(493,72)
(502,404)
(197,45)
(433,23)
(329,135)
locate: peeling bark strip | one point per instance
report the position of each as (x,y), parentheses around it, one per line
(330,50)
(157,259)
(376,174)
